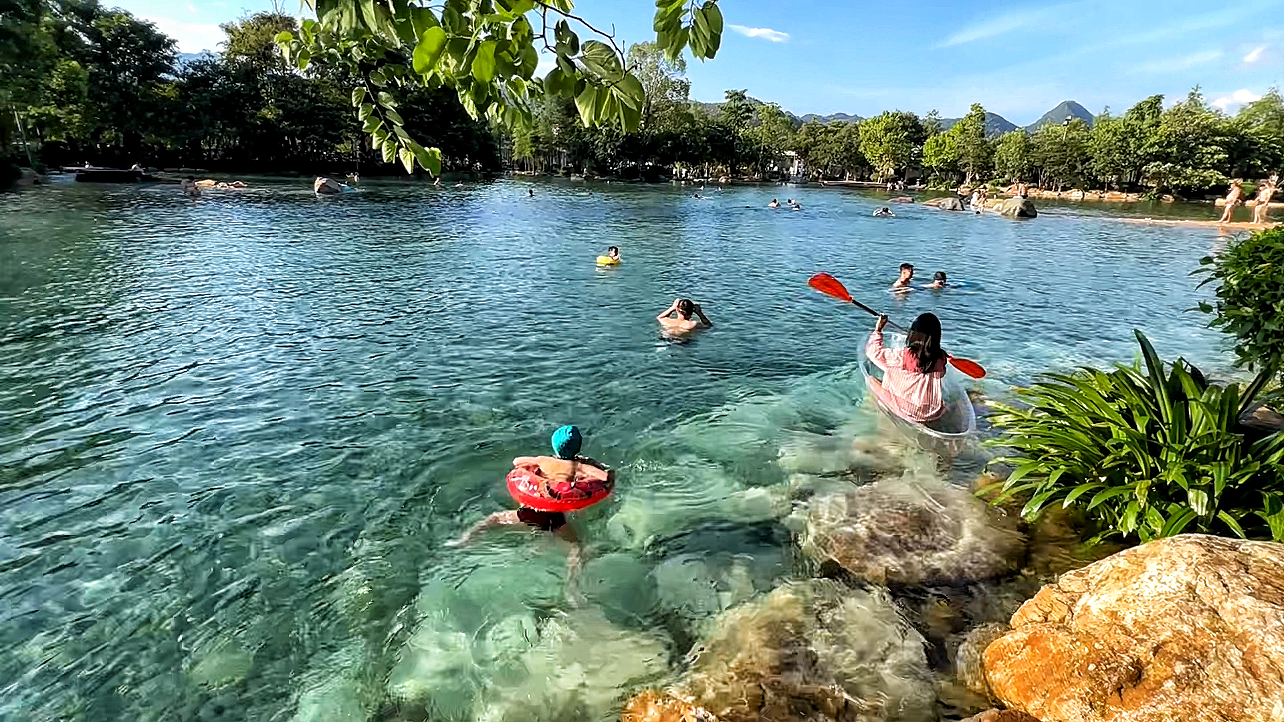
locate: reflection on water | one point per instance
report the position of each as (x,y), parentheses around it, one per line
(237,432)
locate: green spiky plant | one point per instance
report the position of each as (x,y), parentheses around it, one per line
(1144,453)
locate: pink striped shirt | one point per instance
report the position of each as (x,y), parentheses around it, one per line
(912,394)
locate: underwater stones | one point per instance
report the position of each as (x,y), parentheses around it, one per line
(969,660)
(1001,715)
(813,650)
(912,532)
(949,203)
(652,706)
(1185,628)
(1018,208)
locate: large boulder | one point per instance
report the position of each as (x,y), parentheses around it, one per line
(814,650)
(1018,208)
(28,177)
(912,531)
(949,203)
(1185,628)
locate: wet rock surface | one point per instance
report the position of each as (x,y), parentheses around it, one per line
(814,650)
(910,532)
(1018,208)
(1189,628)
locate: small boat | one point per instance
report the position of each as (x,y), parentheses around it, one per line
(947,435)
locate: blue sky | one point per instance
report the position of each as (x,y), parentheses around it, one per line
(1016,59)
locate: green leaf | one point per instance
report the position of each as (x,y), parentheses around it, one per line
(393,116)
(364,111)
(601,60)
(429,159)
(284,37)
(407,159)
(585,103)
(378,77)
(429,49)
(389,152)
(1230,522)
(303,60)
(484,62)
(630,92)
(422,19)
(387,101)
(358,97)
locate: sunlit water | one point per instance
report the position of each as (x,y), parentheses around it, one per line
(236,432)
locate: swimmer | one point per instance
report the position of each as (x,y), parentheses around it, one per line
(613,253)
(797,206)
(774,203)
(566,465)
(530,192)
(190,188)
(683,324)
(459,185)
(907,275)
(884,212)
(938,281)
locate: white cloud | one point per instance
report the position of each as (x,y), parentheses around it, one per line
(1185,62)
(191,37)
(774,36)
(1239,97)
(1253,56)
(1003,24)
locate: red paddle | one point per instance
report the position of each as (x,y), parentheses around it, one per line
(830,286)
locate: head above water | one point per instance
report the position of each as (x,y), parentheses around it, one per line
(685,307)
(907,270)
(613,251)
(939,277)
(566,442)
(924,342)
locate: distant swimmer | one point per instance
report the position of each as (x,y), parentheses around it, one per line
(683,324)
(437,182)
(459,185)
(884,212)
(907,275)
(1232,199)
(530,192)
(774,203)
(612,257)
(939,281)
(797,206)
(190,188)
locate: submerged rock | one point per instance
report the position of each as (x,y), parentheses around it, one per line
(949,203)
(1001,715)
(1018,208)
(969,660)
(813,650)
(912,531)
(1186,628)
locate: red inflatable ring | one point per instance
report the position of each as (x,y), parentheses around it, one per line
(528,486)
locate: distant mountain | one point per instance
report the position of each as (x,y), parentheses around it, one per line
(995,124)
(185,58)
(1058,115)
(843,117)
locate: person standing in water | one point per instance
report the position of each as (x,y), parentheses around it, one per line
(1232,200)
(774,203)
(938,281)
(1264,200)
(683,324)
(907,275)
(912,376)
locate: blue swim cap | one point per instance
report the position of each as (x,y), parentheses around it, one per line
(566,442)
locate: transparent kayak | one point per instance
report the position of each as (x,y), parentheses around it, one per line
(948,434)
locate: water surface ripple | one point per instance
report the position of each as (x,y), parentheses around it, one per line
(236,431)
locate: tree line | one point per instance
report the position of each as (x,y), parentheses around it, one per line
(87,84)
(83,83)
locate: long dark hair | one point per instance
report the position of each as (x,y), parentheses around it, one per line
(924,342)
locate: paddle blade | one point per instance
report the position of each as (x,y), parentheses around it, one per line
(968,366)
(829,286)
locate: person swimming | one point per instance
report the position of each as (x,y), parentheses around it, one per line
(683,324)
(190,188)
(884,212)
(613,253)
(530,192)
(566,465)
(774,203)
(912,376)
(938,281)
(907,275)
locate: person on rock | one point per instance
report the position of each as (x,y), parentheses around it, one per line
(1264,200)
(1233,198)
(912,376)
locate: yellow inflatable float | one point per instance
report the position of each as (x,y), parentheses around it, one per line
(607,261)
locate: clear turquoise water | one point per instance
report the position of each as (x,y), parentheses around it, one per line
(236,432)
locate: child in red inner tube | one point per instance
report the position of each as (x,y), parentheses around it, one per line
(566,469)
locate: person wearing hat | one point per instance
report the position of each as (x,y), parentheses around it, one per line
(565,465)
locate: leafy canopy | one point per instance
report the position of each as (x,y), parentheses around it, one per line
(485,50)
(1146,454)
(1249,278)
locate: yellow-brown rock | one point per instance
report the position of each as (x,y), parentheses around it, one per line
(1186,628)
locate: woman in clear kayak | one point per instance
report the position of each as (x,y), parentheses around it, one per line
(912,376)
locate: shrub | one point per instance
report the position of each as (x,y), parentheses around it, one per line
(1250,298)
(1146,455)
